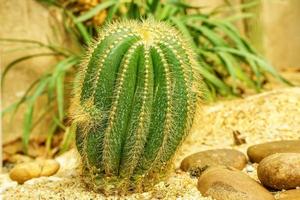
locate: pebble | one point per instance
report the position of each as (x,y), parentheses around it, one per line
(26,171)
(289,195)
(280,171)
(19,158)
(258,152)
(49,167)
(198,162)
(250,168)
(224,183)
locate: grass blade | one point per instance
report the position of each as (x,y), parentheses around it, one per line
(214,80)
(262,63)
(184,30)
(69,137)
(27,124)
(60,95)
(49,137)
(94,11)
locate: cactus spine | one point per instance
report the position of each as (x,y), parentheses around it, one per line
(134,104)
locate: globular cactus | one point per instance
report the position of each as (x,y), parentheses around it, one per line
(134,103)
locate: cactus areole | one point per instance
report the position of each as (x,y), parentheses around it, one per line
(135,99)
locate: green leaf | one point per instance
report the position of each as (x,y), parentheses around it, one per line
(69,137)
(61,67)
(60,95)
(50,136)
(182,4)
(235,71)
(262,63)
(27,124)
(15,106)
(112,11)
(59,123)
(212,36)
(153,5)
(84,33)
(184,30)
(94,11)
(54,48)
(214,80)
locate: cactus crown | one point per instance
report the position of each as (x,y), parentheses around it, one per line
(134,104)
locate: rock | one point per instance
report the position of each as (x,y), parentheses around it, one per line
(280,171)
(223,183)
(200,161)
(258,152)
(289,195)
(25,171)
(49,167)
(19,158)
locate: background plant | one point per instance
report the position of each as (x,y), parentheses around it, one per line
(228,62)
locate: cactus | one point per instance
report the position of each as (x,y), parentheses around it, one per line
(135,98)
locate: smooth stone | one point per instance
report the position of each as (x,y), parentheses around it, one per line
(204,159)
(258,152)
(280,171)
(26,171)
(49,167)
(19,158)
(223,183)
(289,195)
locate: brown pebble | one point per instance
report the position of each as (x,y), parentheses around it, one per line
(49,167)
(19,158)
(280,171)
(26,171)
(223,183)
(258,152)
(200,161)
(289,195)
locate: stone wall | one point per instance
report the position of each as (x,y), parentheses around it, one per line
(281,25)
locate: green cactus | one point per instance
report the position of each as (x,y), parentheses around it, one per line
(134,104)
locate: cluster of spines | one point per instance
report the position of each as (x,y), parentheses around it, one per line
(127,158)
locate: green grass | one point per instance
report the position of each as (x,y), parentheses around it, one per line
(228,60)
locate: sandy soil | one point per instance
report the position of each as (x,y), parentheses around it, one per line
(259,118)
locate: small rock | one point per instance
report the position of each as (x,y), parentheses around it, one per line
(49,167)
(280,171)
(258,152)
(5,156)
(223,183)
(19,158)
(250,168)
(238,139)
(289,195)
(200,161)
(25,171)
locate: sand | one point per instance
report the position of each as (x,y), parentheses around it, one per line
(259,118)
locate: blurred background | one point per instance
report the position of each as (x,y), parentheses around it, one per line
(42,43)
